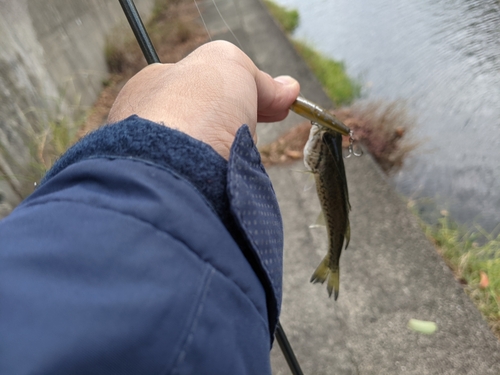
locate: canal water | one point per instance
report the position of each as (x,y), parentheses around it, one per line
(443,59)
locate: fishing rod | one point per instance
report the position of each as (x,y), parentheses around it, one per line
(301,106)
(135,22)
(287,351)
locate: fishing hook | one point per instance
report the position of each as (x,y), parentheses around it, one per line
(351,150)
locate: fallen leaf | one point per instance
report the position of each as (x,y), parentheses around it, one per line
(485,282)
(294,154)
(422,326)
(399,131)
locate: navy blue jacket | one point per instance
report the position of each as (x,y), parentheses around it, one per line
(143,252)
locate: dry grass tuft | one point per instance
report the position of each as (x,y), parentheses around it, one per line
(384,129)
(175,30)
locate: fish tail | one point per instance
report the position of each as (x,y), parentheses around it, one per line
(323,272)
(333,284)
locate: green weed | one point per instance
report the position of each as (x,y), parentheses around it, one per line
(45,142)
(288,19)
(474,257)
(338,85)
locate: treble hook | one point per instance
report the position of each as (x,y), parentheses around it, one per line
(351,150)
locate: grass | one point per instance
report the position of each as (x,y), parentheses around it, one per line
(52,132)
(332,75)
(45,147)
(338,85)
(288,19)
(474,257)
(52,139)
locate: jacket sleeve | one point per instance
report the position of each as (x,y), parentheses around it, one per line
(135,256)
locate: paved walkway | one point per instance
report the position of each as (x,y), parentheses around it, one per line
(389,274)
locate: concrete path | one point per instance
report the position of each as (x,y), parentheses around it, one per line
(389,274)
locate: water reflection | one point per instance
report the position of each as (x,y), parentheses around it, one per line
(443,58)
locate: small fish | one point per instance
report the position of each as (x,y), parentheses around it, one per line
(323,157)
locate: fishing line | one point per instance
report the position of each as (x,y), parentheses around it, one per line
(203,20)
(225,23)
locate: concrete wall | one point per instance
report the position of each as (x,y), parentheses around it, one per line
(51,59)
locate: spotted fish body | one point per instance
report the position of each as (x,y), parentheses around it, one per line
(323,157)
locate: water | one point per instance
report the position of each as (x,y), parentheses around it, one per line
(443,59)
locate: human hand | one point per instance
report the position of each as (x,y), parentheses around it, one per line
(207,95)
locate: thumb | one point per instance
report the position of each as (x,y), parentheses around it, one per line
(275,96)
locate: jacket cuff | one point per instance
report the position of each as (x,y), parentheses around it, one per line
(148,141)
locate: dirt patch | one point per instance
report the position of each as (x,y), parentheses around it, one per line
(287,148)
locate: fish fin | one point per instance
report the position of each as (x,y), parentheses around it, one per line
(303,171)
(334,143)
(347,234)
(320,221)
(310,182)
(322,272)
(310,177)
(333,284)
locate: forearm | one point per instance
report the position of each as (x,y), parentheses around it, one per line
(122,246)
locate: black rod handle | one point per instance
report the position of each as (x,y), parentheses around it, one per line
(287,350)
